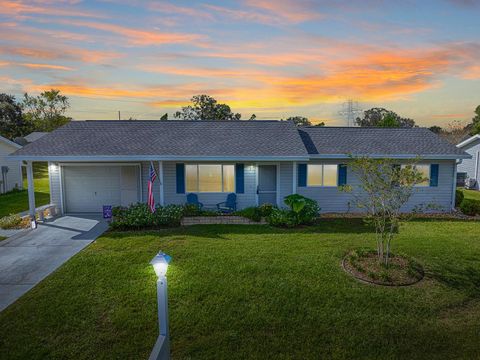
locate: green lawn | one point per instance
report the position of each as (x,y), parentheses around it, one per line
(16,202)
(471,194)
(240,292)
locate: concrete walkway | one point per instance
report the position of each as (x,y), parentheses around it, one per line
(29,257)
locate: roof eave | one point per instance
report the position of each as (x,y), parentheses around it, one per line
(469,140)
(87,158)
(393,156)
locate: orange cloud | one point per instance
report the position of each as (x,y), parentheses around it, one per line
(139,37)
(295,11)
(19,9)
(37,66)
(65,53)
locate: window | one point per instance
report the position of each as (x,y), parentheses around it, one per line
(210,178)
(322,175)
(424,171)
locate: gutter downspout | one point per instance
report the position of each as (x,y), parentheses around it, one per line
(458,162)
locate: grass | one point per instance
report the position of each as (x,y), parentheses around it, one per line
(16,202)
(471,194)
(239,292)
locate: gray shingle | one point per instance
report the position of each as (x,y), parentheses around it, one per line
(375,141)
(170,138)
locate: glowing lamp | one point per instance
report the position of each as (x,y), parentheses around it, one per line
(160,263)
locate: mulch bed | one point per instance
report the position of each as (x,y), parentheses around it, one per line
(364,266)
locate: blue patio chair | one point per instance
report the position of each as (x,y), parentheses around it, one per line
(228,206)
(192,199)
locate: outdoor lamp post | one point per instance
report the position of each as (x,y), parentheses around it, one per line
(161,349)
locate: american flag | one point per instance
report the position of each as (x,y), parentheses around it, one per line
(152,177)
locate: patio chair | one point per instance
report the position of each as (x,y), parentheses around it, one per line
(228,206)
(192,199)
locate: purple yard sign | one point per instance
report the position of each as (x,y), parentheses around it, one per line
(107,211)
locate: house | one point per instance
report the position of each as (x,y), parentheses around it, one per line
(10,169)
(470,168)
(96,163)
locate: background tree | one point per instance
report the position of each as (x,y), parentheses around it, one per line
(12,123)
(455,132)
(205,107)
(475,128)
(300,120)
(164,117)
(383,189)
(435,129)
(380,117)
(46,111)
(253,117)
(320,124)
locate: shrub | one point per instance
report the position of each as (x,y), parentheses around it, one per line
(470,207)
(253,213)
(302,211)
(139,216)
(266,209)
(10,222)
(191,210)
(459,196)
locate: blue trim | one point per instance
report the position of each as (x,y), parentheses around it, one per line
(302,175)
(434,174)
(239,178)
(342,174)
(180,174)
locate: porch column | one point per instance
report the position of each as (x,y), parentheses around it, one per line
(160,179)
(294,178)
(31,190)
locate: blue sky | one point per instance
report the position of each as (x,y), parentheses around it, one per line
(271,58)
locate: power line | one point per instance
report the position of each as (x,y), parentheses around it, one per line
(349,111)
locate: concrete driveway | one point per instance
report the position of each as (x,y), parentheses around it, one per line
(27,258)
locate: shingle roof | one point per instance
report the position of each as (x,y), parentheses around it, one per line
(376,141)
(232,139)
(170,138)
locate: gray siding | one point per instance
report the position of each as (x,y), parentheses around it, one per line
(468,165)
(14,175)
(331,199)
(55,184)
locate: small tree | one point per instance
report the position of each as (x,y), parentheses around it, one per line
(384,188)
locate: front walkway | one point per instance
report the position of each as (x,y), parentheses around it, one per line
(27,258)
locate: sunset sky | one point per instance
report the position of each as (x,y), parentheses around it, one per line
(272,58)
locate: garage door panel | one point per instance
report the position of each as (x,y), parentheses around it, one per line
(88,188)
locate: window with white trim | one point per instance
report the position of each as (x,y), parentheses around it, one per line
(322,175)
(210,177)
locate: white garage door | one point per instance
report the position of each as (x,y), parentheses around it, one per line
(88,188)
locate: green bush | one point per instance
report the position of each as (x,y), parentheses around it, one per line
(266,209)
(10,222)
(191,210)
(459,196)
(253,213)
(139,216)
(303,211)
(470,207)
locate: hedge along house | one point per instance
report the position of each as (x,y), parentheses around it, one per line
(470,168)
(96,163)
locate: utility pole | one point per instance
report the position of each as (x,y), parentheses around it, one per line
(349,111)
(118,114)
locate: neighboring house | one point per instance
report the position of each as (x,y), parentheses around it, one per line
(96,163)
(10,169)
(470,168)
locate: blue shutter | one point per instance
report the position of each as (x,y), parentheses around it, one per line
(239,178)
(302,175)
(180,178)
(434,175)
(342,174)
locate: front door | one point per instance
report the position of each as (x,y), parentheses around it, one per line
(267,184)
